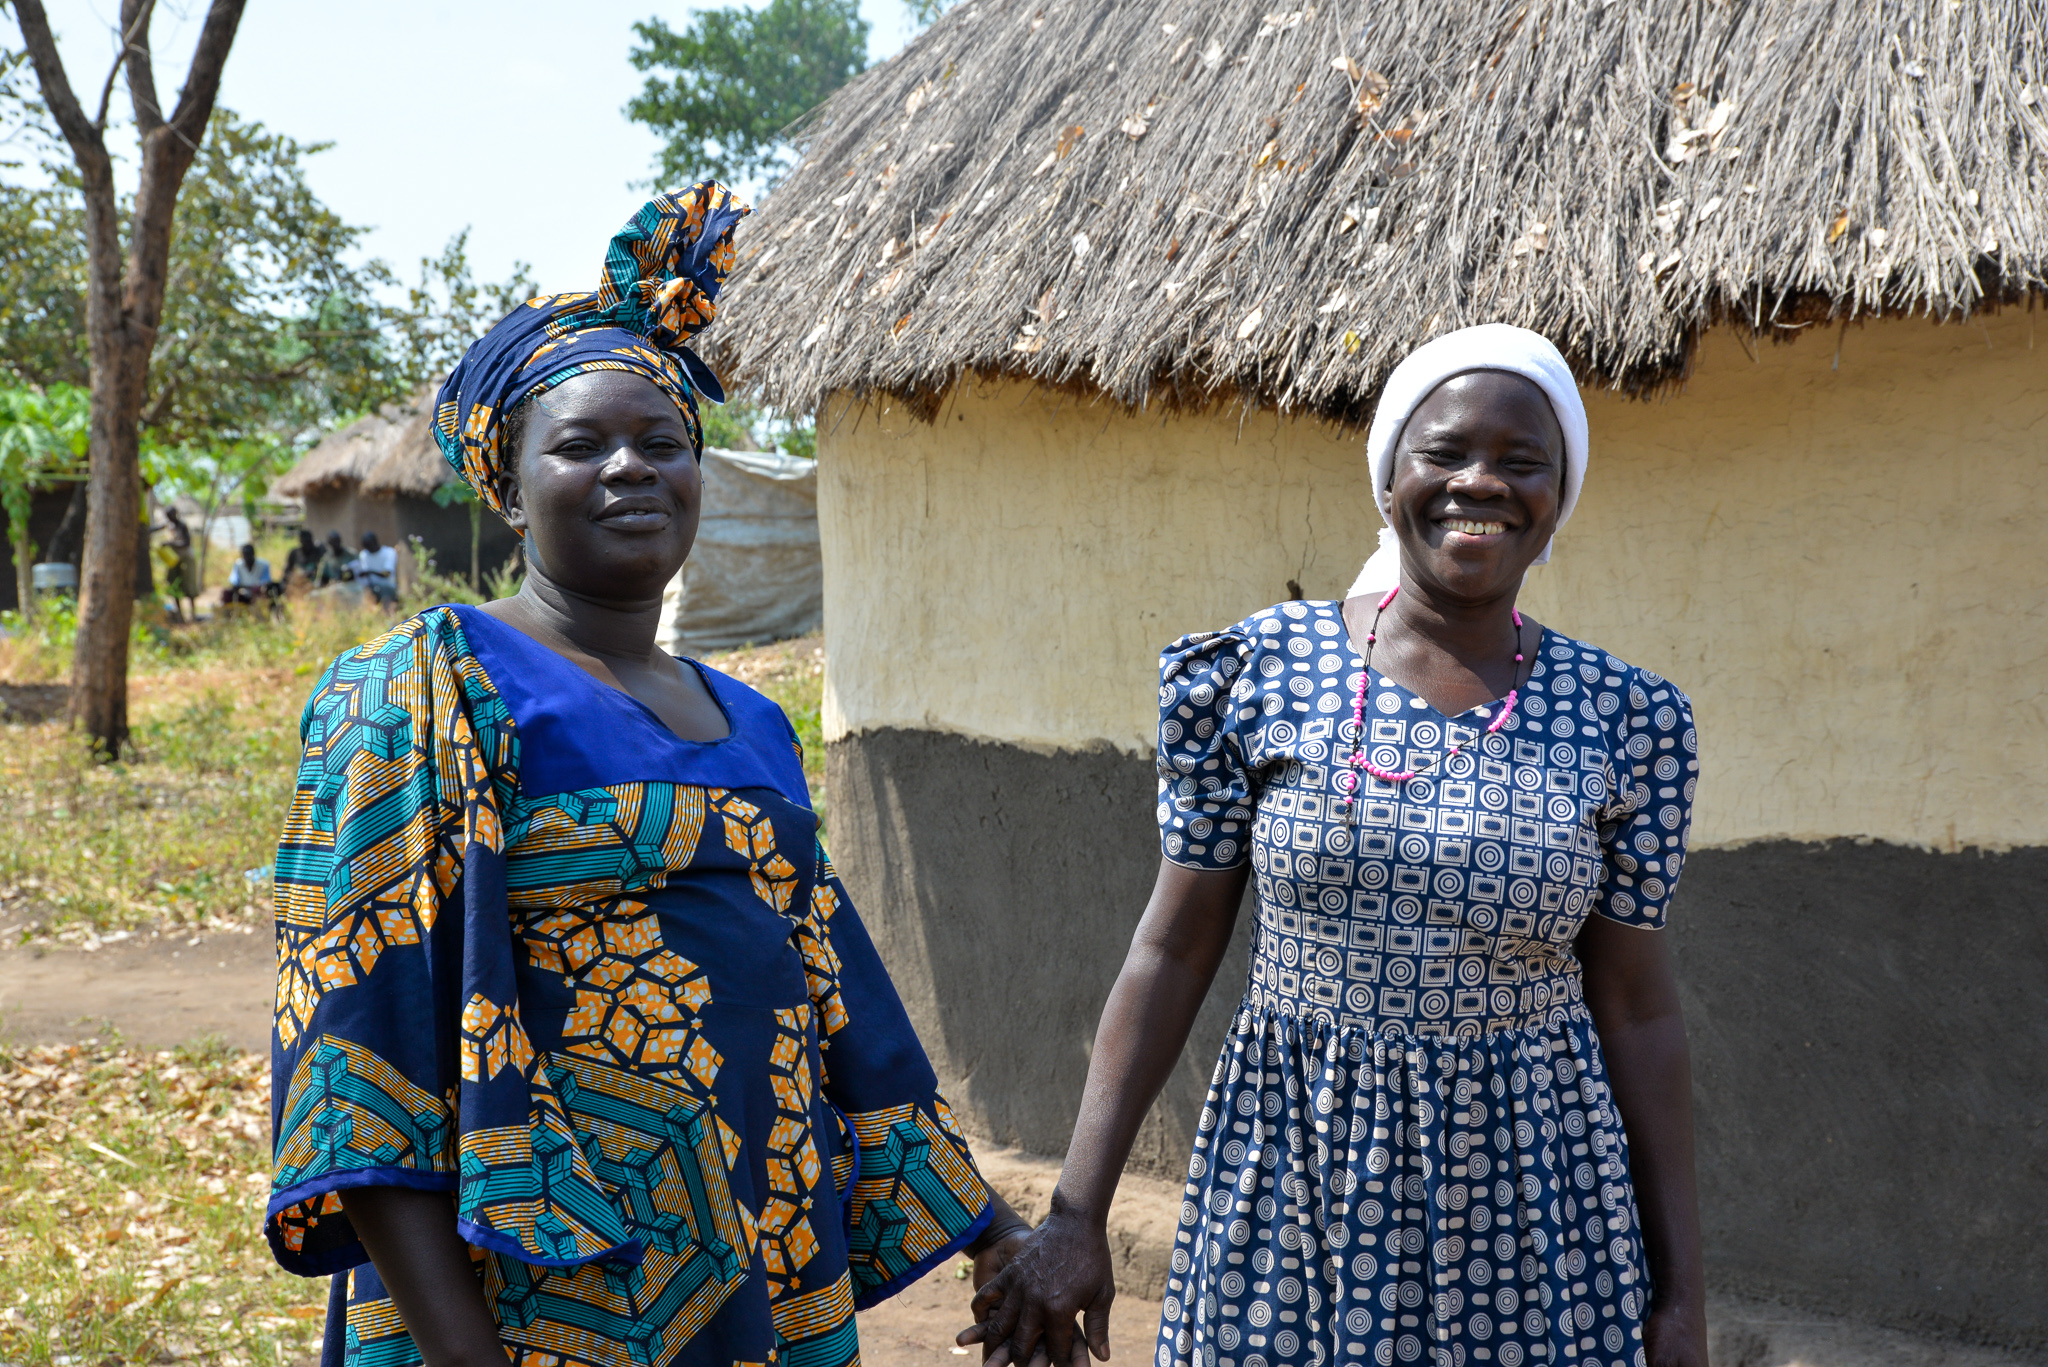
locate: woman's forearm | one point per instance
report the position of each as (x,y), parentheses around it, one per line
(1172,961)
(426,1267)
(1649,1067)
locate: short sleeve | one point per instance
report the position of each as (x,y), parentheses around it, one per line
(1206,788)
(398,1056)
(1643,830)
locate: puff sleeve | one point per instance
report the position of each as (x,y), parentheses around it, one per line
(1643,829)
(1206,785)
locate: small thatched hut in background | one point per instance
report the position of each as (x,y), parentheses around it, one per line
(379,475)
(1093,299)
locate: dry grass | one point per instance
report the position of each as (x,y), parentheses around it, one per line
(1180,203)
(133,1188)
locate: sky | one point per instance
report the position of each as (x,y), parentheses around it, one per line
(497,115)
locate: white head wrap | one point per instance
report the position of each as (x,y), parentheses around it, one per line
(1491,346)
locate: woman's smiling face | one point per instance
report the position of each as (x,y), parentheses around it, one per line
(1477,484)
(608,490)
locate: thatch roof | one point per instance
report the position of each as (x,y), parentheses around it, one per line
(391,451)
(1183,200)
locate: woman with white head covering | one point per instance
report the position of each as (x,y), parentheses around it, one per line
(1452,1121)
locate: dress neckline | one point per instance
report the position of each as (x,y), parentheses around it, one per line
(1539,667)
(556,661)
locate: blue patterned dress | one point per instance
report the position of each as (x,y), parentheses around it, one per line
(1409,1150)
(602,985)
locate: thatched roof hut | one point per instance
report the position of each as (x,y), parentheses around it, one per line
(1158,199)
(346,459)
(379,474)
(1092,296)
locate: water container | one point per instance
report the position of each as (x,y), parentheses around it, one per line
(53,577)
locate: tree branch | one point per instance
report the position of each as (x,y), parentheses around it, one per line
(128,34)
(149,116)
(83,136)
(202,81)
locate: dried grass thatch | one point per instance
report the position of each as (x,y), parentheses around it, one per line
(1165,200)
(390,452)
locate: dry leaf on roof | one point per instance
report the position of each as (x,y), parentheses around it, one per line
(901,323)
(1837,228)
(1669,215)
(1250,323)
(1535,238)
(1876,237)
(1352,342)
(1212,55)
(1372,93)
(1082,246)
(1028,346)
(1070,138)
(1349,67)
(816,335)
(1707,209)
(1266,152)
(1335,301)
(1044,307)
(1135,126)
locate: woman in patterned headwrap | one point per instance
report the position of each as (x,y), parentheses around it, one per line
(581,1052)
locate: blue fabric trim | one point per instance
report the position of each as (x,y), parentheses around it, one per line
(351,1254)
(411,1178)
(917,1270)
(483,1236)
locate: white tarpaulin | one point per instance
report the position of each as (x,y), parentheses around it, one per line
(754,574)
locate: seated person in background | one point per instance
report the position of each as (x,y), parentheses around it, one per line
(248,579)
(377,568)
(336,564)
(304,559)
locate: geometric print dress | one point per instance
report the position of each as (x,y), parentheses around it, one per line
(602,985)
(1409,1152)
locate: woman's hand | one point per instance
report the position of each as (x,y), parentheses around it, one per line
(998,1255)
(1675,1336)
(1025,1314)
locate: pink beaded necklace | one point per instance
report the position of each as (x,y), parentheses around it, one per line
(1348,781)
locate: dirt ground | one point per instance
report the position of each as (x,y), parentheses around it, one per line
(158,993)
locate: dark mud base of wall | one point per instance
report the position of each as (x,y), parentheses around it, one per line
(1869,1024)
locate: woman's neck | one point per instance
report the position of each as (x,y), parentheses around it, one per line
(1463,631)
(609,629)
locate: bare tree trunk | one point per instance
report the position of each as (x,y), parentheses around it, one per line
(124,304)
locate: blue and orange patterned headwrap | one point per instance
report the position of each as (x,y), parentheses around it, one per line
(661,282)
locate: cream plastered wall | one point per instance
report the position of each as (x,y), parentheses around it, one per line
(1842,555)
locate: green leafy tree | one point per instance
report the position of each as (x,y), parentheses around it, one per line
(729,86)
(447,310)
(42,441)
(127,264)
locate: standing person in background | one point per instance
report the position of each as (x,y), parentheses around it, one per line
(1453,1121)
(376,569)
(181,579)
(582,1054)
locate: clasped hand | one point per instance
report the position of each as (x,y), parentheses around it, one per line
(1024,1314)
